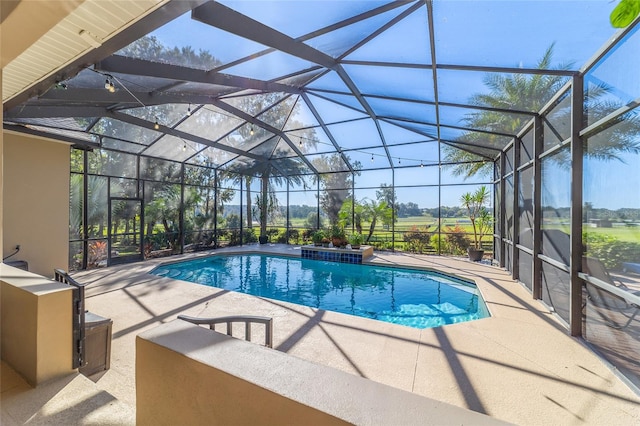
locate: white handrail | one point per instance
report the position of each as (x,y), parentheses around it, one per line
(229,320)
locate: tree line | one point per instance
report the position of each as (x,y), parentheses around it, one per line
(403,210)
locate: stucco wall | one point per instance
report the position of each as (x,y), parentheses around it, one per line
(186,374)
(36,332)
(35,203)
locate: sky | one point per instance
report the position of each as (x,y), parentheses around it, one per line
(486,33)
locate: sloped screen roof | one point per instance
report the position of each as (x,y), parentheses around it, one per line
(251,85)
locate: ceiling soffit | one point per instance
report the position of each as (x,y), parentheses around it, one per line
(48,58)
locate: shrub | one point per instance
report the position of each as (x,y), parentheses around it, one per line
(249,236)
(377,243)
(281,236)
(294,236)
(440,244)
(387,245)
(97,253)
(457,239)
(318,236)
(610,250)
(356,239)
(204,238)
(307,234)
(417,241)
(220,235)
(234,237)
(156,241)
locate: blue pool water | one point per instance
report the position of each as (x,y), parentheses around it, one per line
(419,299)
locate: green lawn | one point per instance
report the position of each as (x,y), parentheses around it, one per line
(622,233)
(629,234)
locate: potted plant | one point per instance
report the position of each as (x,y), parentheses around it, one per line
(338,237)
(317,237)
(481,219)
(356,240)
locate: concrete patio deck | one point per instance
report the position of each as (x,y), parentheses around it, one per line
(520,365)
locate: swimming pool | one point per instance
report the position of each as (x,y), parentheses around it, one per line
(413,298)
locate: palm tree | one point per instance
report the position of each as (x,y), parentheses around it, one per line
(531,93)
(374,211)
(514,91)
